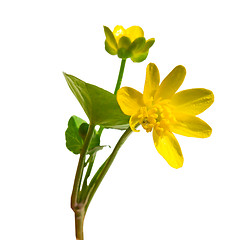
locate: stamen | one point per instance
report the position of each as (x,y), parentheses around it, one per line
(156,116)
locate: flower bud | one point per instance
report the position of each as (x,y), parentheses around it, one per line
(127,43)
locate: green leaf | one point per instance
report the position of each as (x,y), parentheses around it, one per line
(100,106)
(95,137)
(75,136)
(83,129)
(74,142)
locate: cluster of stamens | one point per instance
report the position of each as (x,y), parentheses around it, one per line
(156,117)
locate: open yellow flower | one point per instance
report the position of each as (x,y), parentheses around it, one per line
(127,43)
(164,112)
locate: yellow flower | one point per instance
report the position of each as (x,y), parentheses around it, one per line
(164,112)
(127,43)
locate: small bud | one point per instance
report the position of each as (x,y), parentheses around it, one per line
(127,43)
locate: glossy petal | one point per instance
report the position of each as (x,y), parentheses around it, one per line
(134,32)
(171,83)
(151,82)
(133,122)
(190,126)
(129,100)
(110,40)
(119,32)
(169,148)
(192,101)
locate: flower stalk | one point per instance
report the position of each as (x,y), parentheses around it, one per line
(121,72)
(87,194)
(80,169)
(118,84)
(100,174)
(79,225)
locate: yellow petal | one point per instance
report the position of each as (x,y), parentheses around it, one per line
(152,82)
(171,83)
(169,148)
(129,100)
(192,101)
(134,122)
(119,32)
(190,126)
(134,32)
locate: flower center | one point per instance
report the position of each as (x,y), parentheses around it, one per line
(157,116)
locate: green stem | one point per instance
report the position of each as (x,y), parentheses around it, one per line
(78,204)
(87,175)
(100,174)
(79,225)
(118,84)
(121,72)
(81,163)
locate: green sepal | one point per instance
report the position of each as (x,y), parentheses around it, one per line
(100,106)
(124,53)
(137,44)
(124,42)
(139,57)
(109,49)
(123,48)
(110,39)
(148,44)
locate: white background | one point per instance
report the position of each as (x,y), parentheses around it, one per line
(141,197)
